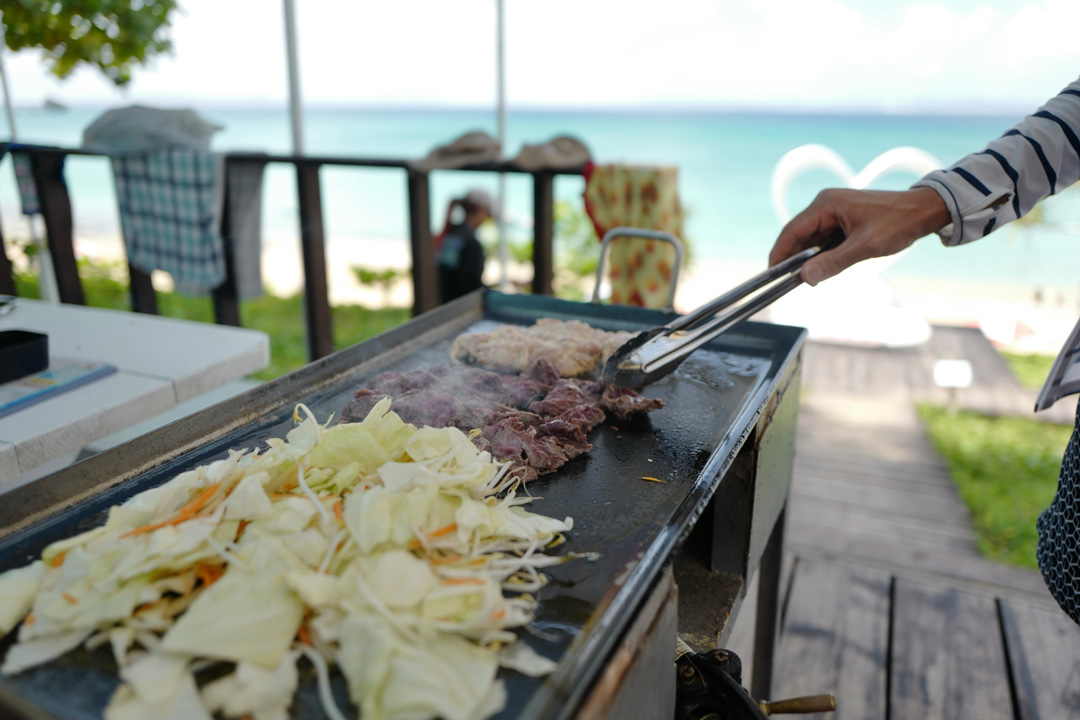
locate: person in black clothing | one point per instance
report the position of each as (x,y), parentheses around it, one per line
(460,258)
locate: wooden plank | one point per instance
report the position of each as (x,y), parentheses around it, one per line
(320,333)
(835,639)
(143,297)
(823,455)
(543,232)
(425,279)
(881,504)
(891,488)
(48,170)
(7,276)
(225,297)
(927,535)
(1044,659)
(917,557)
(948,657)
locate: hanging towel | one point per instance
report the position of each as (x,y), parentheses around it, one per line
(170,204)
(24,175)
(243,190)
(638,197)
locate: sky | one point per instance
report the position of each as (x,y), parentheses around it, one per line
(965,56)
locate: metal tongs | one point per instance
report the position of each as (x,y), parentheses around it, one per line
(654,353)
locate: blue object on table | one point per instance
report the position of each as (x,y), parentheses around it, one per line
(60,378)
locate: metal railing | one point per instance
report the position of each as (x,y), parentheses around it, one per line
(47,167)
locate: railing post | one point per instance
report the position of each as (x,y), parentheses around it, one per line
(425,282)
(543,232)
(7,273)
(143,297)
(225,297)
(48,171)
(313,248)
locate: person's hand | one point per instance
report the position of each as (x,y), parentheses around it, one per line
(858,225)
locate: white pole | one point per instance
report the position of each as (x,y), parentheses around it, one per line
(294,78)
(500,81)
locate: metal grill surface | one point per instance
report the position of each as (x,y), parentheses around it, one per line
(711,403)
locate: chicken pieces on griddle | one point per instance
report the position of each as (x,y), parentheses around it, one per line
(573,348)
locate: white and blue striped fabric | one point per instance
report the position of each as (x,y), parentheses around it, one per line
(985,190)
(170,205)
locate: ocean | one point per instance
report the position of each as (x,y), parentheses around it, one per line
(725,161)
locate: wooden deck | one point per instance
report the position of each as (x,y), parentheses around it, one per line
(888,603)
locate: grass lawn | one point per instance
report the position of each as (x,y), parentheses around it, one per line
(280,318)
(1030,370)
(1006,471)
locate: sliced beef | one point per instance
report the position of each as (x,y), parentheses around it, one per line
(362,403)
(585,417)
(625,402)
(563,396)
(536,420)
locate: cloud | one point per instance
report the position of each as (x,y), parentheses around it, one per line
(961,54)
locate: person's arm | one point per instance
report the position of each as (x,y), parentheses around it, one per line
(862,224)
(1033,160)
(980,193)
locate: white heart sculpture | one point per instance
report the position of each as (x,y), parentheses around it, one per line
(828,311)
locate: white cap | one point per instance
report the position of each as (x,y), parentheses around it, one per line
(482,198)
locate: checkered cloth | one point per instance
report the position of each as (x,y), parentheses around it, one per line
(1058,551)
(170,204)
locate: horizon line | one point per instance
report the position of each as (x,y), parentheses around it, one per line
(971,109)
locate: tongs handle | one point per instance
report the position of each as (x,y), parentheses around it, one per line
(709,309)
(652,355)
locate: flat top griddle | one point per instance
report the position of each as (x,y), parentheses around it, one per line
(712,402)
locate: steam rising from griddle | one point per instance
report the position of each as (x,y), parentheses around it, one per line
(536,419)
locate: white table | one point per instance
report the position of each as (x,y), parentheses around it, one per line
(160,362)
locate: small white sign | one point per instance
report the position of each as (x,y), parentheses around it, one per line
(952,373)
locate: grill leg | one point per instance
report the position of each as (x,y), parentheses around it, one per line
(768,611)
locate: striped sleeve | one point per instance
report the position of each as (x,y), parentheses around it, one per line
(1036,158)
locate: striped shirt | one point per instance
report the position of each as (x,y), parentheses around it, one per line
(985,190)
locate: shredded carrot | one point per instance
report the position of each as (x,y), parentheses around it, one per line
(444,560)
(70,598)
(30,619)
(209,574)
(499,614)
(240,528)
(415,544)
(303,634)
(148,606)
(184,513)
(463,581)
(652,479)
(339,511)
(59,559)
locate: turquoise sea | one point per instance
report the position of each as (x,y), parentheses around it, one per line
(725,161)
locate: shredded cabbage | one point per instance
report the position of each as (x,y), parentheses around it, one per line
(400,555)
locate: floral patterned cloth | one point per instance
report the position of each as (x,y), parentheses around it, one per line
(639,197)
